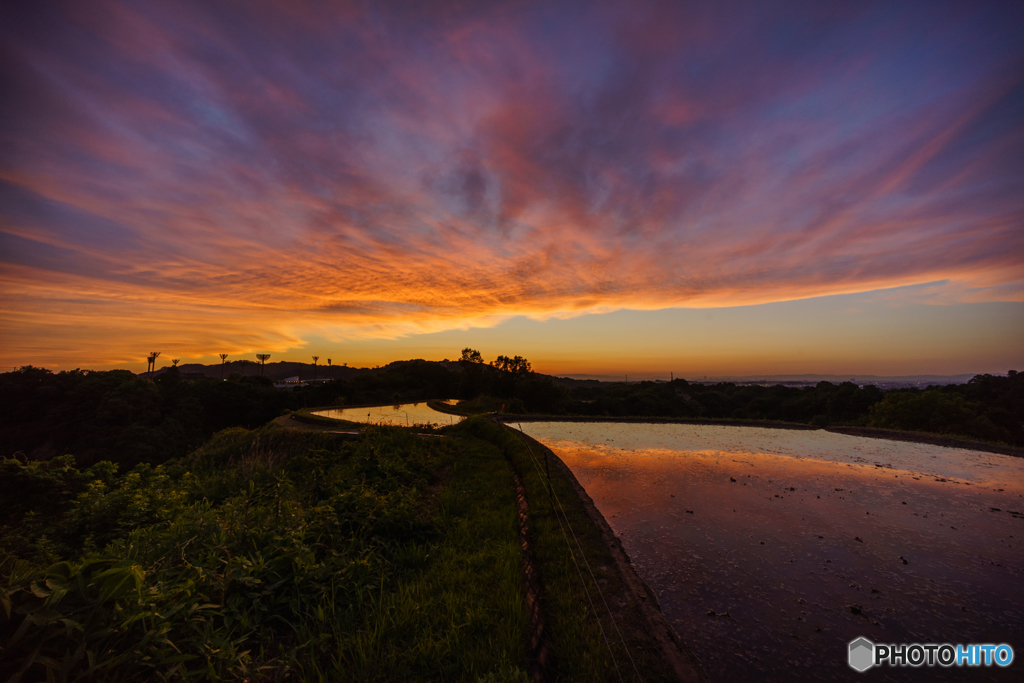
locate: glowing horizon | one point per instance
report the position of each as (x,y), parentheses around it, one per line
(199,180)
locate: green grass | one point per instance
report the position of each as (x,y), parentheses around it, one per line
(579,649)
(273,553)
(276,554)
(459,615)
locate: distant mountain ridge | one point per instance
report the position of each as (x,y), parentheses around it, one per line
(276,371)
(280,370)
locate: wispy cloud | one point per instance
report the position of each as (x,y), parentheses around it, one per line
(204,174)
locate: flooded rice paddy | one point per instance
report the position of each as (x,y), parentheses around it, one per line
(770,550)
(406,414)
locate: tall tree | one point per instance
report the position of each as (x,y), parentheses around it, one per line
(223,357)
(263,358)
(471,356)
(517,365)
(315,359)
(520,366)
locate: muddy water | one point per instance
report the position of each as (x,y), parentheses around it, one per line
(771,549)
(404,414)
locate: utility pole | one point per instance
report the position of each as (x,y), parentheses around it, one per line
(223,357)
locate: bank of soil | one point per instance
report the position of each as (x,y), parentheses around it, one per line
(298,424)
(933,439)
(633,606)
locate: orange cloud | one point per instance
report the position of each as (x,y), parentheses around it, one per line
(243,179)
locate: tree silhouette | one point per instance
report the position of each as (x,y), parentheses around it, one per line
(330,370)
(223,357)
(315,359)
(263,358)
(471,356)
(174,362)
(521,366)
(152,362)
(517,365)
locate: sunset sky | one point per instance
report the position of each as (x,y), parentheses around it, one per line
(706,188)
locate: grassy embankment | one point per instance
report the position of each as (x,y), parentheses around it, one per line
(306,416)
(281,554)
(580,577)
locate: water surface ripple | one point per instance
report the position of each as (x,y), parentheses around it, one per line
(771,549)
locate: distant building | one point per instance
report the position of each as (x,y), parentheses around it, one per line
(296,382)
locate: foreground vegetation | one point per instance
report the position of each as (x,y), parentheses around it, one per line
(580,578)
(282,555)
(266,553)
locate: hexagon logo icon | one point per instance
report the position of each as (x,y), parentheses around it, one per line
(862,654)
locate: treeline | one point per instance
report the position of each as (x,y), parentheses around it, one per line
(128,419)
(988,407)
(115,415)
(118,416)
(508,381)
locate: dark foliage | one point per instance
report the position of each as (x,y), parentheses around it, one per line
(823,404)
(420,380)
(118,416)
(400,382)
(988,407)
(265,555)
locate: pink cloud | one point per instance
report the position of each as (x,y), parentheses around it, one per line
(383,173)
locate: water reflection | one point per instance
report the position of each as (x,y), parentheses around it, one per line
(406,414)
(771,549)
